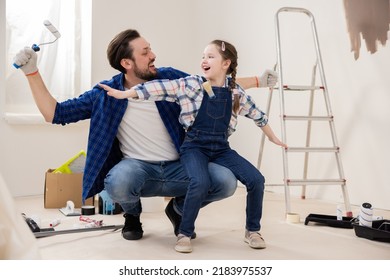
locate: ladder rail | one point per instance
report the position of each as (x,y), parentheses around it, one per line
(330,113)
(282,110)
(262,141)
(267,112)
(326,93)
(308,129)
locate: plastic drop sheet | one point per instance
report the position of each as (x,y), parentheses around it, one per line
(17,242)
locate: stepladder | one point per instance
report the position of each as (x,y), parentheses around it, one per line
(299,120)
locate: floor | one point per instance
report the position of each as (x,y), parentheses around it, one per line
(220,229)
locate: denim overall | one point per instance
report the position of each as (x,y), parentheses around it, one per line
(207,141)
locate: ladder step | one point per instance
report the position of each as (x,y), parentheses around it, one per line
(301,88)
(313,149)
(300,182)
(308,118)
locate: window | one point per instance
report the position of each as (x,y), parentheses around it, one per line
(64,64)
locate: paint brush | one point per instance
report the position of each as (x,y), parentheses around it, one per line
(207,87)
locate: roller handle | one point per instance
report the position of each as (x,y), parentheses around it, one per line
(35,48)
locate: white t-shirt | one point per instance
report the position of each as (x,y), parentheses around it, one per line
(142,133)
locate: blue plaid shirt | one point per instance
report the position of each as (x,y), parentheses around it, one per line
(105,114)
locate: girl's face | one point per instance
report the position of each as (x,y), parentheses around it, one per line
(214,67)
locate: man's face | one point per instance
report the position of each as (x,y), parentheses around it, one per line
(143,59)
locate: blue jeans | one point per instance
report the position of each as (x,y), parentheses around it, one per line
(195,161)
(131,179)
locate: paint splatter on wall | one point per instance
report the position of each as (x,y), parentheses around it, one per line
(368,20)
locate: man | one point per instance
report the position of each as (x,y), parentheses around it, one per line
(115,162)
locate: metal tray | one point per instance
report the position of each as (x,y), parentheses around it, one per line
(329,220)
(380,230)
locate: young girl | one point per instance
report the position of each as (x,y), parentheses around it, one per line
(209,112)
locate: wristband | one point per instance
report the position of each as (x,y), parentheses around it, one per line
(32,74)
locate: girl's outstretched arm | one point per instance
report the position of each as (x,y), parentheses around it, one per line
(271,136)
(119,94)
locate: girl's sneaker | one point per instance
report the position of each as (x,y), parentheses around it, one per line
(183,244)
(254,239)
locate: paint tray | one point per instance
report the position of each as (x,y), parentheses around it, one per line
(380,230)
(329,220)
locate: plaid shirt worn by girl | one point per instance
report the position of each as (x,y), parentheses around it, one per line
(188,92)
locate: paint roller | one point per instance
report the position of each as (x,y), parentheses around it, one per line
(53,30)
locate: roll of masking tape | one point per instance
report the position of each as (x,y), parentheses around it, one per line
(293,218)
(87,210)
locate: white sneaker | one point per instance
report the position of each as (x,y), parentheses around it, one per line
(183,244)
(254,239)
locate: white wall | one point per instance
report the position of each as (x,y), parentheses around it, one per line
(178,31)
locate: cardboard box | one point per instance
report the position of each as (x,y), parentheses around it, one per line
(59,188)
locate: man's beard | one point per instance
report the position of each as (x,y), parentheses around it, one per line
(146,75)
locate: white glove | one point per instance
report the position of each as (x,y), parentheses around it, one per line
(27,60)
(269,79)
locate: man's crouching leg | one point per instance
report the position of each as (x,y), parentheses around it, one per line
(123,184)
